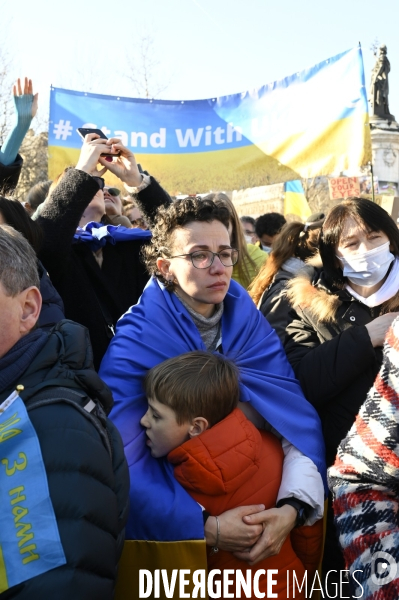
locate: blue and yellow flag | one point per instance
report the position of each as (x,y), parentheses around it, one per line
(295,202)
(310,123)
(29,539)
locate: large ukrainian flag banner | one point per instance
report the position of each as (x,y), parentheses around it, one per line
(311,123)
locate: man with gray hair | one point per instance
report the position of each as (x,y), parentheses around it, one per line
(63,476)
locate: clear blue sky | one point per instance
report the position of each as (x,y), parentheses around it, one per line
(205,47)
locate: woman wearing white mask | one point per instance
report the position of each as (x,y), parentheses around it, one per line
(343,311)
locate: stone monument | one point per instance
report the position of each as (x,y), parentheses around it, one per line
(383,127)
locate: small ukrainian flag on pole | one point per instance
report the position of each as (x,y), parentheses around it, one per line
(295,202)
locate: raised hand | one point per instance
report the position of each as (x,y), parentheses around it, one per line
(92,148)
(27,90)
(123,166)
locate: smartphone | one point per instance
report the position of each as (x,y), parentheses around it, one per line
(83,131)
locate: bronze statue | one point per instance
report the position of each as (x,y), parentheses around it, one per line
(379,89)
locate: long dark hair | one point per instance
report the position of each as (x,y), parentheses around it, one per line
(15,215)
(368,215)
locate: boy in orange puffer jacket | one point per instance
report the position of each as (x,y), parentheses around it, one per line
(222,459)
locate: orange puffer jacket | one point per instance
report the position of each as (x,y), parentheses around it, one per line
(234,464)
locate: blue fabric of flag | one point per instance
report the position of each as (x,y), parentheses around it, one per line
(96,235)
(294,186)
(159,327)
(29,539)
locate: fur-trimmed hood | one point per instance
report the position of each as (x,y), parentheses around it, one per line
(310,292)
(306,291)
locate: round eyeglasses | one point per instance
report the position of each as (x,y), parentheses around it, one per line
(203,259)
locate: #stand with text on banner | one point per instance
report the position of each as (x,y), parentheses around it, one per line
(311,123)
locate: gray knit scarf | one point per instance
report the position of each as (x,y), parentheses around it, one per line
(208,327)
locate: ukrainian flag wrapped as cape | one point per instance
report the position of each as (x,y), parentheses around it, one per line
(159,327)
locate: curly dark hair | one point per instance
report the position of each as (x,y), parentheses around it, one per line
(175,215)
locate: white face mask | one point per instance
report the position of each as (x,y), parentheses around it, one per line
(248,238)
(367,268)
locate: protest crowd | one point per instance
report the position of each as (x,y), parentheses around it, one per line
(180,374)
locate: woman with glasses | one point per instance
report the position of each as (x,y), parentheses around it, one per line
(191,303)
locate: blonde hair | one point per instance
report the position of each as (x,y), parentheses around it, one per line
(245,262)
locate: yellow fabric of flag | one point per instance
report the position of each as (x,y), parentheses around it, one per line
(295,202)
(142,554)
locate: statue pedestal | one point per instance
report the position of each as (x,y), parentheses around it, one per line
(385,149)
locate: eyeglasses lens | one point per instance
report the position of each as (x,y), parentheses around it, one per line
(204,258)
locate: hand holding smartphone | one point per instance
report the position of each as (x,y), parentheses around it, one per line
(83,131)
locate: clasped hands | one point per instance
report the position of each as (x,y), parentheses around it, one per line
(252,533)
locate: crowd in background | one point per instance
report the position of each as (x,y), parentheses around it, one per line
(181,306)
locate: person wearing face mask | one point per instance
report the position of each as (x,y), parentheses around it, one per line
(343,311)
(296,243)
(267,227)
(248,227)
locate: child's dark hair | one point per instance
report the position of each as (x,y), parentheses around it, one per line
(196,384)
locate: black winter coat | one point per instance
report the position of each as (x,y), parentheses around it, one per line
(331,353)
(9,175)
(274,304)
(89,490)
(52,306)
(93,296)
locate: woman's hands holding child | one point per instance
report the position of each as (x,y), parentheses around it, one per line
(251,532)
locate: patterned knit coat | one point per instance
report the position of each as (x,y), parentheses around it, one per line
(365,485)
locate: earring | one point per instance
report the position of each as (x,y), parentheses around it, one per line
(169,284)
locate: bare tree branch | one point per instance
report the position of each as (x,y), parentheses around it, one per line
(34,146)
(34,152)
(317,194)
(143,69)
(6,101)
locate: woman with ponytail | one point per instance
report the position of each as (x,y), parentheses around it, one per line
(296,243)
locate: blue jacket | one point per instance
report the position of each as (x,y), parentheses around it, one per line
(88,483)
